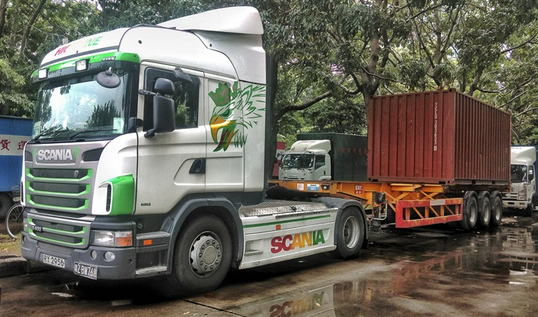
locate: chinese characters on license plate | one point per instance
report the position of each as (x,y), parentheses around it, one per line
(85,270)
(53,260)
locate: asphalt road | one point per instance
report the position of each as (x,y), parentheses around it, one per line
(433,272)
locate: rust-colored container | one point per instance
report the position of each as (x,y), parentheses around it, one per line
(438,137)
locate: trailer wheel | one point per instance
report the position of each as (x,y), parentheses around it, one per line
(484,209)
(202,256)
(470,211)
(496,209)
(350,233)
(5,204)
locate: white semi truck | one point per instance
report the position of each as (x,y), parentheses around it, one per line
(147,159)
(523,182)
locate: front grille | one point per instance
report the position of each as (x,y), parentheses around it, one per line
(61,189)
(59,231)
(59,173)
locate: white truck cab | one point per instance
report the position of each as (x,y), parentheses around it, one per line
(148,159)
(306,160)
(523,182)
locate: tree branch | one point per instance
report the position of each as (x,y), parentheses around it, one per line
(31,23)
(302,106)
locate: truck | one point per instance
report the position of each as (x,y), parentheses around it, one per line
(523,183)
(147,159)
(14,133)
(326,156)
(434,157)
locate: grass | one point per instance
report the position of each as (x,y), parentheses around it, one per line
(10,245)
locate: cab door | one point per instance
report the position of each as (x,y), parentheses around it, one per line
(171,165)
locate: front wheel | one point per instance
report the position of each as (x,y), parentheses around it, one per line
(202,256)
(350,233)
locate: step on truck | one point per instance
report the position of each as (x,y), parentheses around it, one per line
(147,159)
(433,158)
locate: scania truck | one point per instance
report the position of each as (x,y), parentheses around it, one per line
(147,159)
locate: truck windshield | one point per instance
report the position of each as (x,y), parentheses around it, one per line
(297,161)
(519,173)
(80,108)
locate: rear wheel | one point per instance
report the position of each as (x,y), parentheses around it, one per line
(202,256)
(470,211)
(496,209)
(350,233)
(484,209)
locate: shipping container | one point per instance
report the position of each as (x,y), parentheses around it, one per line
(438,137)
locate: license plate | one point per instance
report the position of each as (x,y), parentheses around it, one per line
(85,270)
(53,260)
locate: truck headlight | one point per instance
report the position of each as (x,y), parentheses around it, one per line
(118,239)
(522,194)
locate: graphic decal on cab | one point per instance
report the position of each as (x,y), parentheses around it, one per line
(235,107)
(298,240)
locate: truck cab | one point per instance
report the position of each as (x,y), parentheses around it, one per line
(307,160)
(523,183)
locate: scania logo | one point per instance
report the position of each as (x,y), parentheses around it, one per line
(55,155)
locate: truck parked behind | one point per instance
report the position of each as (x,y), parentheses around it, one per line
(14,133)
(326,156)
(433,157)
(523,182)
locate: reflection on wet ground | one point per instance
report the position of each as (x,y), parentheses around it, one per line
(427,272)
(437,273)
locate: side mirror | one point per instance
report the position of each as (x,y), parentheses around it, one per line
(163,108)
(531,177)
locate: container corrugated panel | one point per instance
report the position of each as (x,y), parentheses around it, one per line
(438,137)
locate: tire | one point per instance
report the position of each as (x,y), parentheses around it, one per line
(529,209)
(202,256)
(484,209)
(496,209)
(470,211)
(14,220)
(5,204)
(350,233)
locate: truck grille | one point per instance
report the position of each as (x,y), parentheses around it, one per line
(59,189)
(61,231)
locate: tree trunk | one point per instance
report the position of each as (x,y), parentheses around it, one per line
(31,23)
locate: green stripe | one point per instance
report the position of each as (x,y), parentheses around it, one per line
(285,221)
(110,56)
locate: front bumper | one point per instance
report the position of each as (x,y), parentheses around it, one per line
(122,267)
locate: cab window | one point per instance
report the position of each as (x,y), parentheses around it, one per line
(185,98)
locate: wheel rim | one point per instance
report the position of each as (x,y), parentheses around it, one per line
(351,232)
(473,212)
(206,254)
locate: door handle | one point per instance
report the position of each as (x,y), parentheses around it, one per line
(198,166)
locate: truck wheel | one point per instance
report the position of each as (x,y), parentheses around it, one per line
(529,209)
(350,233)
(470,211)
(202,256)
(496,209)
(484,209)
(5,204)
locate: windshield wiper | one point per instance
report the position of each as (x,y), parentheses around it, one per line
(89,131)
(51,131)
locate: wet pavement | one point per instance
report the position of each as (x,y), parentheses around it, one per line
(427,272)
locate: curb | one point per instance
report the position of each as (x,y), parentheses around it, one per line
(13,265)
